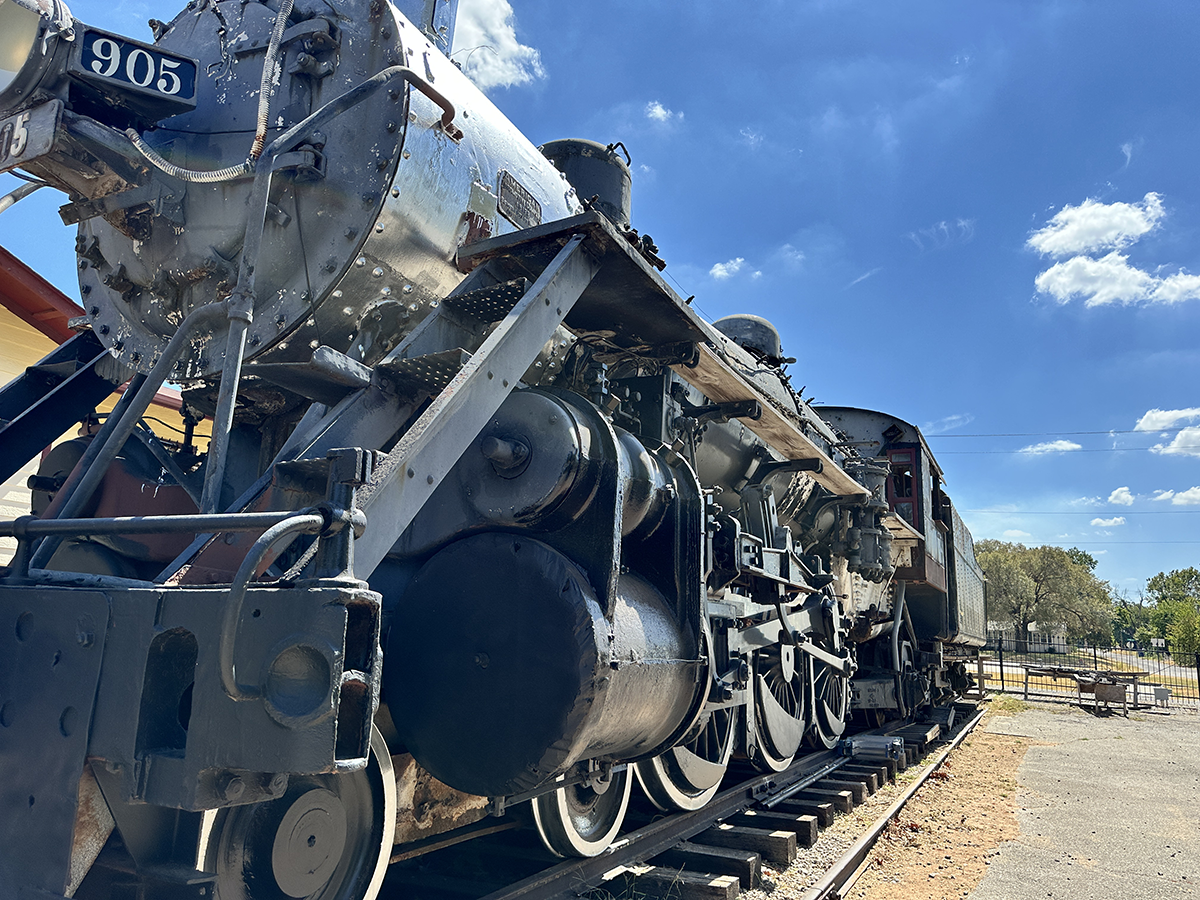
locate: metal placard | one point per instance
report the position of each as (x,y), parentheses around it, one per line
(27,135)
(516,204)
(116,61)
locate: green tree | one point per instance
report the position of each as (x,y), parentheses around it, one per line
(1047,586)
(1175,612)
(1131,618)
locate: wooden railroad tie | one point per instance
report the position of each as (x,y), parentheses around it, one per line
(776,847)
(746,865)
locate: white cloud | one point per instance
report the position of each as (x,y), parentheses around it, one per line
(1109,279)
(1086,501)
(722,271)
(1190,497)
(1016,533)
(757,275)
(790,255)
(864,276)
(1176,288)
(1162,419)
(1163,495)
(752,137)
(1051,447)
(1109,523)
(949,423)
(1185,443)
(1121,497)
(943,234)
(486,45)
(659,113)
(1095,226)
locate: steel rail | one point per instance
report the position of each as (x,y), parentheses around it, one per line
(846,870)
(649,841)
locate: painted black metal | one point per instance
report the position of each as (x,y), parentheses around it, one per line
(52,644)
(530,674)
(594,170)
(50,397)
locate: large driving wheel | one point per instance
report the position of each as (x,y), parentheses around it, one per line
(688,775)
(831,703)
(582,820)
(780,708)
(328,838)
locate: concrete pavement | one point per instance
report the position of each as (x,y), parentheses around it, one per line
(1108,807)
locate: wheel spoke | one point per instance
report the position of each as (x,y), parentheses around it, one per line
(687,776)
(780,710)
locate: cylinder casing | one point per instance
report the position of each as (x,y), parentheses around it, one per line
(503,670)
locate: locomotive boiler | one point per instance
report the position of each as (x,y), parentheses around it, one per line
(489,516)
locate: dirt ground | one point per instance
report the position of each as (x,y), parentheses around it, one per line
(940,845)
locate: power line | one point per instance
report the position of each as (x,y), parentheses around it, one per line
(1082,512)
(1027,452)
(1175,429)
(1106,543)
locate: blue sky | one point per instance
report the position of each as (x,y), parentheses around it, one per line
(981,217)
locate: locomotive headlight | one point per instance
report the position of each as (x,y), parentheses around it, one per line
(28,34)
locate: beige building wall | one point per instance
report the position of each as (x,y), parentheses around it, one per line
(22,345)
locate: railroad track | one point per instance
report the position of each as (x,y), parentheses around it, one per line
(711,854)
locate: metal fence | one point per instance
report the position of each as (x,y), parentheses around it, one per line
(1153,677)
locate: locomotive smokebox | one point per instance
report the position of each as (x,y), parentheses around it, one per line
(594,170)
(503,669)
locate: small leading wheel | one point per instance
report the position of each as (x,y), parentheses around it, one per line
(580,819)
(688,775)
(780,709)
(328,838)
(831,704)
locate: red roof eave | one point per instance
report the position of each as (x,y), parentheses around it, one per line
(30,297)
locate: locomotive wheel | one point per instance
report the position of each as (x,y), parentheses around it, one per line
(686,777)
(582,820)
(780,709)
(328,838)
(831,704)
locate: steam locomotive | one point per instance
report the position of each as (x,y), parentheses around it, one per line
(490,521)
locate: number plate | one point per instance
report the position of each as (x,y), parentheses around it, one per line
(28,135)
(106,58)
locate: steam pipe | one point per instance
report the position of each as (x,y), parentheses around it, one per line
(241,303)
(105,446)
(31,526)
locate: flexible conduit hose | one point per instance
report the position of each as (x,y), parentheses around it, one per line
(304,523)
(266,83)
(270,67)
